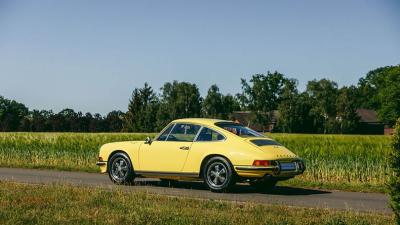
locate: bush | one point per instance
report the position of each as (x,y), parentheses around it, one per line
(394,181)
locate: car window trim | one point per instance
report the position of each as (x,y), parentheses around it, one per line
(198,133)
(195,140)
(162,131)
(190,124)
(170,131)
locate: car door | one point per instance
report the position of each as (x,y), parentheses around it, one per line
(208,140)
(168,153)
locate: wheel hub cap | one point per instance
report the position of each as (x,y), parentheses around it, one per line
(217,174)
(120,168)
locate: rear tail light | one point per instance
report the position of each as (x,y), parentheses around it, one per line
(262,163)
(100,159)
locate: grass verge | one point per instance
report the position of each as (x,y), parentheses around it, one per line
(61,204)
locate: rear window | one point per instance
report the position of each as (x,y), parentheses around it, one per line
(263,142)
(239,129)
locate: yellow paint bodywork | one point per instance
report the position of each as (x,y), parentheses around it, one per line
(168,157)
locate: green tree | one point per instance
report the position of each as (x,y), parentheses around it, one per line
(178,100)
(39,120)
(346,108)
(97,123)
(262,95)
(69,120)
(294,110)
(114,121)
(11,114)
(142,108)
(323,94)
(212,104)
(229,105)
(394,181)
(288,113)
(380,90)
(86,121)
(217,105)
(287,108)
(133,116)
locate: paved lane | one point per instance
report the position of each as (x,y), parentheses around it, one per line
(242,193)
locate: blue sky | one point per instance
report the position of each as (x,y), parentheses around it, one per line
(90,55)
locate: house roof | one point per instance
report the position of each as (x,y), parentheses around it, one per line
(367,115)
(274,114)
(248,119)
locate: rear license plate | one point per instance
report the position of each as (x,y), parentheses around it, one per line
(288,166)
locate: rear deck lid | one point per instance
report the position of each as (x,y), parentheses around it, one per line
(272,147)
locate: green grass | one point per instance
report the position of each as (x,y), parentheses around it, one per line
(351,162)
(347,162)
(63,151)
(56,204)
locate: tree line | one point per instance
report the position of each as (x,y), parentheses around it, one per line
(322,108)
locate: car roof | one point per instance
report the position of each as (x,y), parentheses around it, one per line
(203,121)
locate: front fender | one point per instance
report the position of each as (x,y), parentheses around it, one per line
(131,148)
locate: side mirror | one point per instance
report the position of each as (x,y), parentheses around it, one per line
(148,140)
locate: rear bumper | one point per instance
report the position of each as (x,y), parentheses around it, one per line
(255,168)
(274,171)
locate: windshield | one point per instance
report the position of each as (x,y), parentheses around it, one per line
(239,129)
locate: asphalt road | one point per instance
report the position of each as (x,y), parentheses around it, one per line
(302,197)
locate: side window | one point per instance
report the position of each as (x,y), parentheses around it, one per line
(207,134)
(164,135)
(183,132)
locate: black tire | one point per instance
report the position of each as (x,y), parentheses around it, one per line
(218,175)
(264,185)
(120,169)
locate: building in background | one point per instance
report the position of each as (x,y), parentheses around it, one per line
(369,122)
(248,119)
(389,130)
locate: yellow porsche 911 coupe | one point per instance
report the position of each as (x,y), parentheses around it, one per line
(217,151)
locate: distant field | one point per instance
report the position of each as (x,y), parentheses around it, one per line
(64,151)
(349,162)
(59,204)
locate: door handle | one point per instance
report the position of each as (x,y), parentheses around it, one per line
(184,148)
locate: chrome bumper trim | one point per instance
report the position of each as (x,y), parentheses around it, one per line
(256,168)
(300,167)
(101,163)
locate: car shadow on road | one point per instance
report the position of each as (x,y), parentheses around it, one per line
(237,189)
(285,190)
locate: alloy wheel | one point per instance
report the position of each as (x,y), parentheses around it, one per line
(217,174)
(119,168)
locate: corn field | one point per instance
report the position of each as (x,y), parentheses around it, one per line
(340,159)
(346,159)
(64,151)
